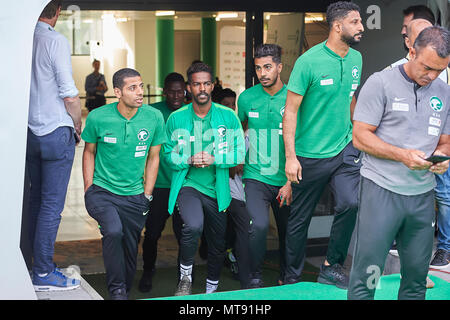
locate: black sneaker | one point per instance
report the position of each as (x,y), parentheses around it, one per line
(256,283)
(145,284)
(184,287)
(441,259)
(333,275)
(119,294)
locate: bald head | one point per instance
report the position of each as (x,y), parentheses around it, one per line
(414,28)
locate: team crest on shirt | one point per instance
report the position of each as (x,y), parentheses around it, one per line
(222,130)
(436,104)
(143,135)
(355,72)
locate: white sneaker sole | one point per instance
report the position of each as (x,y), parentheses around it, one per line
(440,267)
(40,288)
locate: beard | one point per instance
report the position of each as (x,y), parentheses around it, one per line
(350,40)
(269,84)
(198,101)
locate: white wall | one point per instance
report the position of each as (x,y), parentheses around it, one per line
(118,51)
(15,57)
(145,39)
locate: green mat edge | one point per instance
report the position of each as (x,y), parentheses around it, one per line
(388,288)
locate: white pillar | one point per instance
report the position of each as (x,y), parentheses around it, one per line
(17,22)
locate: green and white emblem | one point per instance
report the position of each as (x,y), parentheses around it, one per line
(355,72)
(436,104)
(222,130)
(143,135)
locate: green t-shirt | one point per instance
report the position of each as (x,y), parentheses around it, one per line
(123,146)
(202,139)
(265,159)
(327,83)
(164,173)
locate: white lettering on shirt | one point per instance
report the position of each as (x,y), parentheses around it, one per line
(433,131)
(110,140)
(326,82)
(435,121)
(139,154)
(140,148)
(400,106)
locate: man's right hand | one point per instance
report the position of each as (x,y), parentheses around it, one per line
(86,186)
(293,170)
(415,160)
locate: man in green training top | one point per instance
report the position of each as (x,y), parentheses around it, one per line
(123,140)
(204,140)
(173,92)
(262,107)
(317,131)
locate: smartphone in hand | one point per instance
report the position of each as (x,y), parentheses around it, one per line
(436,158)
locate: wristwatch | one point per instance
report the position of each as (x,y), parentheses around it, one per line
(149,197)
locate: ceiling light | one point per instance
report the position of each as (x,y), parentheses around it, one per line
(227,15)
(107,16)
(165,13)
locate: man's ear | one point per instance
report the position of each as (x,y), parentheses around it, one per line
(408,42)
(188,88)
(337,26)
(412,53)
(280,67)
(118,93)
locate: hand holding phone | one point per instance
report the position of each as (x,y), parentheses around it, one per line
(437,158)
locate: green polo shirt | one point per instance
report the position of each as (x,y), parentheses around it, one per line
(164,173)
(123,146)
(265,159)
(327,83)
(202,139)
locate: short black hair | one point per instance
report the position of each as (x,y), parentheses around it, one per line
(436,37)
(198,67)
(269,49)
(339,10)
(50,9)
(173,77)
(224,93)
(120,75)
(420,12)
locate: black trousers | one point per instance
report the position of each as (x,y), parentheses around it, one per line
(199,211)
(239,225)
(259,197)
(155,224)
(121,220)
(341,172)
(382,217)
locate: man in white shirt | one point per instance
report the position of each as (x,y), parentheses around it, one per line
(54,128)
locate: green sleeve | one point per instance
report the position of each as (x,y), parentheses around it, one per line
(301,77)
(89,133)
(160,131)
(241,108)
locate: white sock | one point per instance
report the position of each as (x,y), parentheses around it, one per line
(211,286)
(186,271)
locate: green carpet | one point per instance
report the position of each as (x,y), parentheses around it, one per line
(165,279)
(387,290)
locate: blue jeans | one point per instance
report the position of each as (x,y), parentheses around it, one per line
(442,195)
(49,162)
